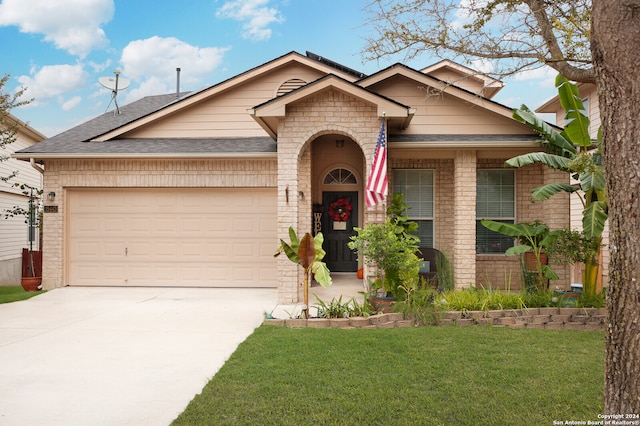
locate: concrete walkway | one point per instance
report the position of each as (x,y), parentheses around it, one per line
(118,356)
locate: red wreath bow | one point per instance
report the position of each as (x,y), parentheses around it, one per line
(340,210)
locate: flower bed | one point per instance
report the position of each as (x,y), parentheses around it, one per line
(545,318)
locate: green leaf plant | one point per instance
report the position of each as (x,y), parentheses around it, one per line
(533,237)
(572,150)
(390,247)
(308,253)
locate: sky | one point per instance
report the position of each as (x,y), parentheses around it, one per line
(59,49)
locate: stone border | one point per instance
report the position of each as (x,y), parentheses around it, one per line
(540,318)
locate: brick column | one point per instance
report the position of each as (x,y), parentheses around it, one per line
(557,215)
(464,256)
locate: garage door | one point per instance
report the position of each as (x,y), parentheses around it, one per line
(172,237)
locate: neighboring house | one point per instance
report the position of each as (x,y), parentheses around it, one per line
(14,231)
(589,95)
(196,189)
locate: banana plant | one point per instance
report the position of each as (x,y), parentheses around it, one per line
(572,150)
(533,237)
(308,253)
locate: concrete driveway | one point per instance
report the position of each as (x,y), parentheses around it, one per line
(118,356)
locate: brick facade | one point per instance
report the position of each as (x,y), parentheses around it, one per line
(329,112)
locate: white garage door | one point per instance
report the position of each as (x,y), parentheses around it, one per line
(172,237)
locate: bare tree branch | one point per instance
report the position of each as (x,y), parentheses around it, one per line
(514,35)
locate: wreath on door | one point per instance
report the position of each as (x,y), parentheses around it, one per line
(340,210)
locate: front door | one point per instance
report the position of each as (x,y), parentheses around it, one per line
(340,216)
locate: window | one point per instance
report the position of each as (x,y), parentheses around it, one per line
(495,200)
(417,187)
(340,177)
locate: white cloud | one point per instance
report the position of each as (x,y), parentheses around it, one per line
(256,16)
(71,103)
(70,25)
(100,67)
(52,81)
(483,65)
(544,76)
(152,63)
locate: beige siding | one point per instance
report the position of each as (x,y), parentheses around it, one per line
(226,115)
(470,83)
(441,113)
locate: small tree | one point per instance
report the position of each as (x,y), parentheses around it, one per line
(8,125)
(307,253)
(391,247)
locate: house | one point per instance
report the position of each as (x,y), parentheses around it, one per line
(196,189)
(589,95)
(14,230)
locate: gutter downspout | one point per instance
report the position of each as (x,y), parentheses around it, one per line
(32,161)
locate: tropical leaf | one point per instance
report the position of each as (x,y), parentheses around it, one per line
(306,251)
(550,134)
(286,249)
(295,243)
(519,249)
(593,180)
(547,191)
(576,121)
(318,241)
(508,229)
(550,160)
(594,217)
(321,273)
(549,273)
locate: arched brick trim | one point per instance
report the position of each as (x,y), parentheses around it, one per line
(330,129)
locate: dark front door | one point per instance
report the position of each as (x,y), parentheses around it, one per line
(340,216)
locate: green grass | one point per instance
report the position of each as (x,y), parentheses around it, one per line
(406,376)
(15,294)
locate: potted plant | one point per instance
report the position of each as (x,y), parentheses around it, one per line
(533,238)
(308,253)
(390,248)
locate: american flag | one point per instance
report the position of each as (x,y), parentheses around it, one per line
(376,189)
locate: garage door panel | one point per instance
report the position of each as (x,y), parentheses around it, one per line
(87,225)
(162,237)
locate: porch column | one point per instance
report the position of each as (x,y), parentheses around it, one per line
(288,274)
(464,253)
(557,215)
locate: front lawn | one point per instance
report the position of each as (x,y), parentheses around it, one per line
(16,293)
(406,376)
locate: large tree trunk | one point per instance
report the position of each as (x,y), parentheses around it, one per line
(616,57)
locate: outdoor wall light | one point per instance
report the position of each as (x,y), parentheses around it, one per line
(300,195)
(51,196)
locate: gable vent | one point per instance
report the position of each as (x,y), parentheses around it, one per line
(290,85)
